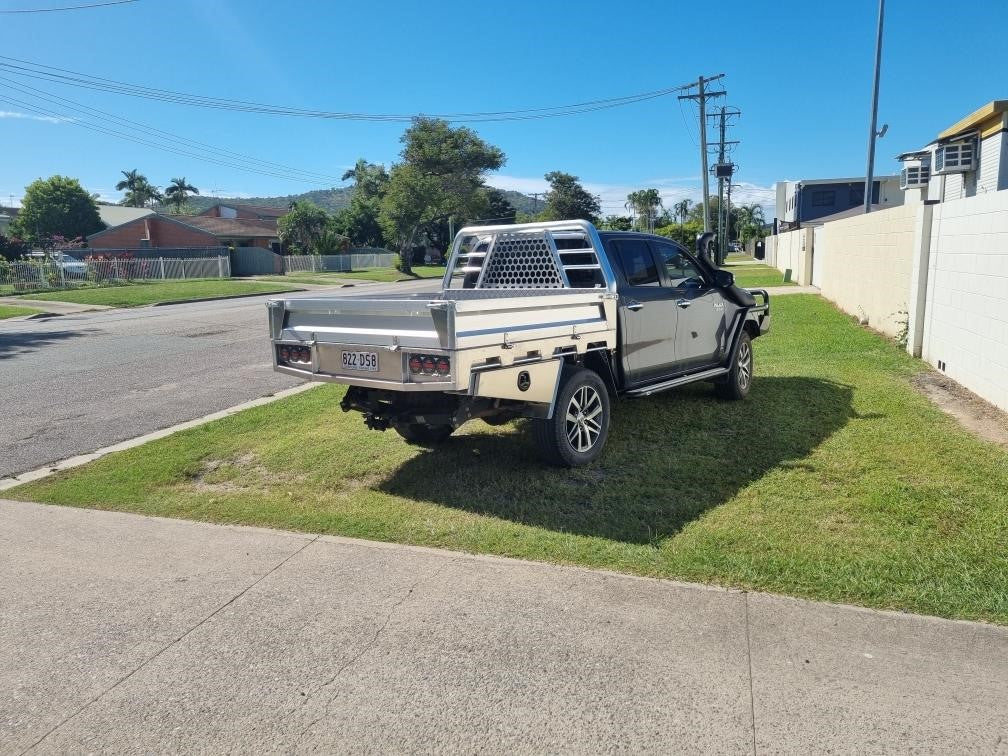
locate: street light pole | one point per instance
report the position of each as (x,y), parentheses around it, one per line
(872,130)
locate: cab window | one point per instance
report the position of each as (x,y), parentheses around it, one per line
(637,262)
(680,271)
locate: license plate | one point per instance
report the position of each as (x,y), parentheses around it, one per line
(367,361)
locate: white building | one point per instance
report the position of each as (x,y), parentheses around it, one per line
(968,158)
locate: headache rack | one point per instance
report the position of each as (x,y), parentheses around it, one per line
(554,255)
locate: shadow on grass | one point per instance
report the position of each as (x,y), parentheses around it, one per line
(669,459)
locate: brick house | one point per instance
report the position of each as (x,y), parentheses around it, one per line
(158,230)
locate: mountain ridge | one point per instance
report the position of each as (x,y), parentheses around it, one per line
(336,199)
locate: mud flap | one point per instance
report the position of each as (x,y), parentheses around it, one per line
(535,383)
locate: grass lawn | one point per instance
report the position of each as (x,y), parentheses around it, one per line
(834,480)
(757,275)
(306,277)
(391,274)
(135,295)
(13,312)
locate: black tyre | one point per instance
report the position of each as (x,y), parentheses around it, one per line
(737,383)
(577,432)
(421,434)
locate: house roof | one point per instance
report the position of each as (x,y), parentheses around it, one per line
(144,219)
(117,215)
(990,119)
(230,227)
(227,228)
(915,155)
(850,180)
(263,210)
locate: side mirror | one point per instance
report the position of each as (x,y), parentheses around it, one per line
(724,278)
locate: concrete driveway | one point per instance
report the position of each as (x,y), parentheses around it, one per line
(121,633)
(82,381)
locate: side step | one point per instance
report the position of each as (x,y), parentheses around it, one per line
(680,381)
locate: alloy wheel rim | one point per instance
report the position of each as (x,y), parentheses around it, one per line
(744,366)
(583,423)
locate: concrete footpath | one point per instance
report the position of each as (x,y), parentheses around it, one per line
(122,633)
(52,306)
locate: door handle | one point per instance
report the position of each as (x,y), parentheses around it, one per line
(634,305)
(683,303)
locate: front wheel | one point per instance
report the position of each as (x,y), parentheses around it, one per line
(739,379)
(577,432)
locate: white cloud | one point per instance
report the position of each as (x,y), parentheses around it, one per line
(613,196)
(30,117)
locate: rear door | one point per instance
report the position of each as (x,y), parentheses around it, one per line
(701,325)
(647,312)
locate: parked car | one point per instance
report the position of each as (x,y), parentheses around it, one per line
(73,268)
(550,321)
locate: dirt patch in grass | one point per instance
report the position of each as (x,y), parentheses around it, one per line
(975,414)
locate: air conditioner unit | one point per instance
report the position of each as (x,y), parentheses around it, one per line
(915,176)
(955,157)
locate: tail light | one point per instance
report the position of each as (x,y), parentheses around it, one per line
(293,354)
(429,364)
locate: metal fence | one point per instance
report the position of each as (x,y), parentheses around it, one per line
(148,252)
(337,263)
(70,273)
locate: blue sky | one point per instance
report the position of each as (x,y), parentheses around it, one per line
(799,71)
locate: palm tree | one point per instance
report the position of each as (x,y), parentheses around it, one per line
(750,221)
(143,193)
(681,209)
(646,204)
(133,179)
(177,192)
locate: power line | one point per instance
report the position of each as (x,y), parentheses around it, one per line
(689,131)
(69,7)
(120,122)
(29,69)
(132,138)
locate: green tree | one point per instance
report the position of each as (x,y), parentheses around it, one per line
(568,200)
(440,175)
(303,227)
(132,182)
(360,220)
(330,241)
(680,210)
(56,206)
(178,191)
(645,205)
(617,223)
(499,210)
(750,221)
(696,213)
(684,233)
(148,194)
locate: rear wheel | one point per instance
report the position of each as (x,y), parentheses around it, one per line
(739,379)
(577,432)
(421,434)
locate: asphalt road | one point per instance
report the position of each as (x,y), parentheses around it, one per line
(129,634)
(76,383)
